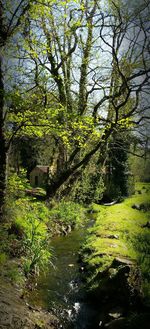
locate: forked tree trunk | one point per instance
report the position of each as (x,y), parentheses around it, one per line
(62,177)
(57,182)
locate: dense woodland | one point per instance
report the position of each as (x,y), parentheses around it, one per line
(74,96)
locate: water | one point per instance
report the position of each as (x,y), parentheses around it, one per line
(60,290)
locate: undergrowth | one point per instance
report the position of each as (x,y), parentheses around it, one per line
(26,234)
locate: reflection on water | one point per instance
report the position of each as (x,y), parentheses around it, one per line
(59,290)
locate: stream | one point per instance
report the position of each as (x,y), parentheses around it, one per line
(60,290)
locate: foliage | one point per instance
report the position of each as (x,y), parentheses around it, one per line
(31,218)
(37,256)
(63,88)
(27,226)
(14,273)
(46,98)
(140,165)
(67,212)
(29,237)
(3,258)
(118,232)
(118,179)
(29,151)
(17,184)
(89,187)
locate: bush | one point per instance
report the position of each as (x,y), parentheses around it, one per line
(15,274)
(17,185)
(37,256)
(3,258)
(31,219)
(67,213)
(26,226)
(89,188)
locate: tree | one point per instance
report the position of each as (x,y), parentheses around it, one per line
(140,164)
(10,20)
(28,151)
(118,178)
(75,70)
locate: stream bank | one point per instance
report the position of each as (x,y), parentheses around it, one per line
(116,262)
(15,313)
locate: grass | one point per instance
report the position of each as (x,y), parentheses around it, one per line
(118,232)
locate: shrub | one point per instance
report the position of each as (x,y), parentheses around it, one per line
(3,258)
(15,274)
(37,256)
(31,219)
(67,213)
(16,185)
(27,227)
(89,188)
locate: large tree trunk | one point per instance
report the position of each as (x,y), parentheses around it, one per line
(64,175)
(3,150)
(6,30)
(3,157)
(57,182)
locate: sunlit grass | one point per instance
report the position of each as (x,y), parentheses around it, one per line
(118,232)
